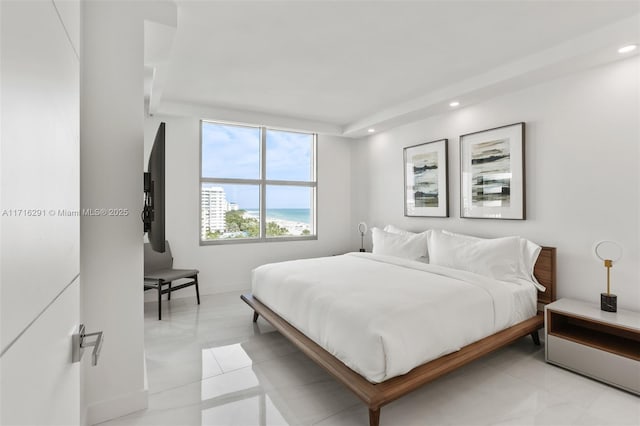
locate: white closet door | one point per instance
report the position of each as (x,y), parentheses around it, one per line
(39,203)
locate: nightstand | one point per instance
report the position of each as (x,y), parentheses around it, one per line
(602,345)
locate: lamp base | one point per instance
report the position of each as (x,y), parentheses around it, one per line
(362,250)
(608,302)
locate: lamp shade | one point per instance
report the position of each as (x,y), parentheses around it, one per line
(608,250)
(362,228)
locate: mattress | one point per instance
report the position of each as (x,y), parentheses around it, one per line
(382,316)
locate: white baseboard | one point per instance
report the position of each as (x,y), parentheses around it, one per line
(117,407)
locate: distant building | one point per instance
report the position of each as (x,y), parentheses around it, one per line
(214,207)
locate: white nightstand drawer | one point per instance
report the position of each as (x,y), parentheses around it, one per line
(606,366)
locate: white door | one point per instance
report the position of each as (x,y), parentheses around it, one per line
(39,202)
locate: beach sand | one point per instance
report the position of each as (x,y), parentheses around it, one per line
(293,228)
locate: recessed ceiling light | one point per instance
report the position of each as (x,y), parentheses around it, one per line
(371,130)
(454,104)
(628,48)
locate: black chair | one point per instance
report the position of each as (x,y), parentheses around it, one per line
(159,274)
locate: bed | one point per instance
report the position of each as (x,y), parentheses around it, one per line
(375,358)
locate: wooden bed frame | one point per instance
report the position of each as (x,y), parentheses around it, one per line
(375,395)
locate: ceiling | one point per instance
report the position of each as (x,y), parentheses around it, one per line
(344,67)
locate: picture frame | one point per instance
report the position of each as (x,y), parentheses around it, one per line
(492,173)
(426,179)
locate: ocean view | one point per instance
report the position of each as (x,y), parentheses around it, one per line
(291,215)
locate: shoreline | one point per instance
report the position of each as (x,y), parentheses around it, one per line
(293,227)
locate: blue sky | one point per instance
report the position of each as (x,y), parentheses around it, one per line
(289,155)
(234,152)
(230,151)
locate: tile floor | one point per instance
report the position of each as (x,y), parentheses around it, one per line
(210,365)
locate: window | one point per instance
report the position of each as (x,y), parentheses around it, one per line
(256,184)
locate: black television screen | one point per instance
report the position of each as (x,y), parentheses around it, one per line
(153,213)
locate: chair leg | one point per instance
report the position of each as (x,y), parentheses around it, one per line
(197,290)
(169,294)
(255,316)
(159,300)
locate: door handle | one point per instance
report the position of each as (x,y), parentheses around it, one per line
(80,341)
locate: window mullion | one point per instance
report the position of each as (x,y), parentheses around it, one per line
(290,183)
(263,185)
(231,181)
(314,178)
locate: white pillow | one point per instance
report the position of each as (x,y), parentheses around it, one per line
(529,252)
(395,230)
(497,258)
(528,257)
(413,247)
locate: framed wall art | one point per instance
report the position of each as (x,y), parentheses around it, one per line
(426,184)
(492,175)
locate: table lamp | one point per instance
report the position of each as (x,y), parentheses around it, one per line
(362,228)
(609,252)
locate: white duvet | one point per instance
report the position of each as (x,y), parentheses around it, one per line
(382,316)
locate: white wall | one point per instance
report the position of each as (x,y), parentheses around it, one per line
(40,247)
(112,144)
(582,171)
(228,267)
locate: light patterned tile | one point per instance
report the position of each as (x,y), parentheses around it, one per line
(211,365)
(616,407)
